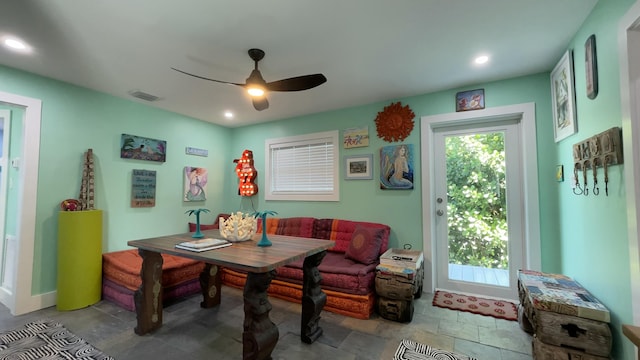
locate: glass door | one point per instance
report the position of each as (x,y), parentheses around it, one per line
(479,238)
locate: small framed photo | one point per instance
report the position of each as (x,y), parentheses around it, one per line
(358,167)
(470,100)
(559,173)
(591,66)
(563,98)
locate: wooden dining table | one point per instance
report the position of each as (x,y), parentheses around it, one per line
(260,334)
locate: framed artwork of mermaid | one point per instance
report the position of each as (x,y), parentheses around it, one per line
(195,184)
(396,167)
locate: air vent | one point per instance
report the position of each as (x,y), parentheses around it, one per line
(143,95)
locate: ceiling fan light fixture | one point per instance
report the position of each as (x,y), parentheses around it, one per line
(255,91)
(257,87)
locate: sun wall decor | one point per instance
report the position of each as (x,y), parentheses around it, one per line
(394,122)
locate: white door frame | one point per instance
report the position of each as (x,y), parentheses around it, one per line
(20,300)
(629,57)
(5,117)
(526,112)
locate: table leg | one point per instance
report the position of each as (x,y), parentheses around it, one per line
(313,298)
(260,333)
(148,298)
(210,285)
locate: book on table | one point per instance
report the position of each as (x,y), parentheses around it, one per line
(203,244)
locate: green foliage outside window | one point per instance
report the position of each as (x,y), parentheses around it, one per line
(476,210)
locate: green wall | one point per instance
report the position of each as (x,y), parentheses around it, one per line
(593,240)
(583,237)
(75,119)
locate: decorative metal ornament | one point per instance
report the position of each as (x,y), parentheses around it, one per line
(394,122)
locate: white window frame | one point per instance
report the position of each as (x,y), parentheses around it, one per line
(315,138)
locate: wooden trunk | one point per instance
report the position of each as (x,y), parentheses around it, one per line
(396,310)
(592,337)
(585,336)
(542,351)
(395,287)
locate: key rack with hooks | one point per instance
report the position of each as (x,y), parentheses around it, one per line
(599,151)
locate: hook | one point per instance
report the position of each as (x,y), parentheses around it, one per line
(594,166)
(576,188)
(606,175)
(585,192)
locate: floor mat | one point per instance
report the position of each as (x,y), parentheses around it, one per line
(497,308)
(46,339)
(411,350)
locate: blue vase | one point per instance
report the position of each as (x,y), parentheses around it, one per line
(198,234)
(264,241)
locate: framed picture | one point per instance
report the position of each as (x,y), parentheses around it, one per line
(143,188)
(396,167)
(559,173)
(563,98)
(591,66)
(355,137)
(470,100)
(195,183)
(142,148)
(358,167)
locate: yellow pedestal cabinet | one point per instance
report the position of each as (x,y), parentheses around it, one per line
(79,259)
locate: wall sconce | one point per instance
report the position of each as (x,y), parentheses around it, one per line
(247,174)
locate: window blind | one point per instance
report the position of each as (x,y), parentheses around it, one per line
(303,168)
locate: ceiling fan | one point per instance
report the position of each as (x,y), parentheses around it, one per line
(257,87)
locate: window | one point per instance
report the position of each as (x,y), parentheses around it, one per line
(303,168)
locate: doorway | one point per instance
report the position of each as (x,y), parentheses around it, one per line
(478,201)
(7,243)
(505,183)
(19,299)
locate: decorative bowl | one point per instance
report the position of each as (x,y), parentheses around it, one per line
(238,227)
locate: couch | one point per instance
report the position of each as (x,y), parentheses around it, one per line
(348,270)
(121,274)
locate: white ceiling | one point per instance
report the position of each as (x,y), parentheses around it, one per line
(369,50)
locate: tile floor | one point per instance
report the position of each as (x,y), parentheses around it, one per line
(190,332)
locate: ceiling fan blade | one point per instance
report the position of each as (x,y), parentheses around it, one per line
(260,103)
(297,83)
(204,78)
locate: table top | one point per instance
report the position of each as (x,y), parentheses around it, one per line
(245,255)
(561,294)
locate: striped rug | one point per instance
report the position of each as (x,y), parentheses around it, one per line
(411,350)
(49,340)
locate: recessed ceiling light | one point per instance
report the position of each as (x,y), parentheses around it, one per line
(481,59)
(228,114)
(15,44)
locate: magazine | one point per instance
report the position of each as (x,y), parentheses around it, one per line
(203,244)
